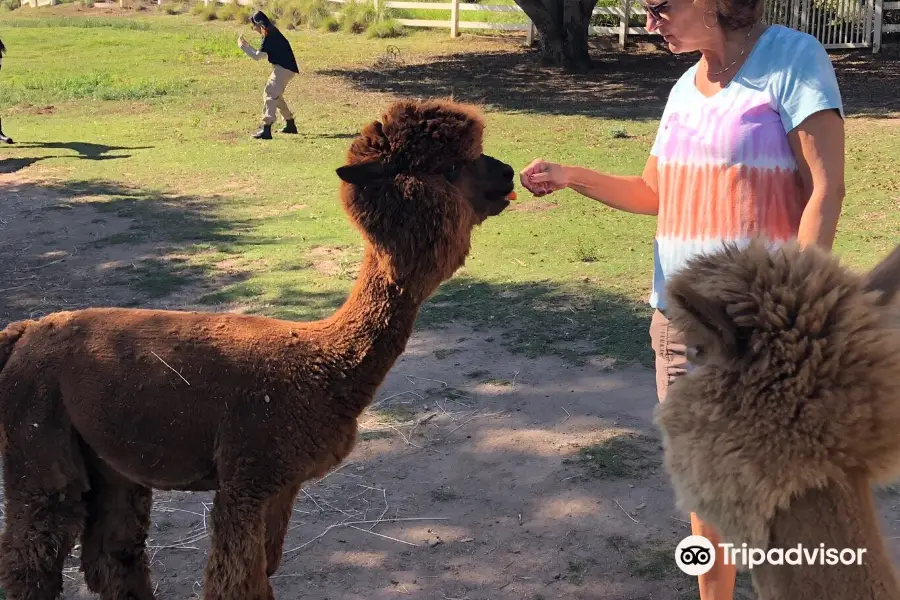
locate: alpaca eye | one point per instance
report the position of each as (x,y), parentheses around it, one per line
(452,174)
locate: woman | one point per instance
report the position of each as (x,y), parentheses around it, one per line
(3,137)
(284,67)
(751,142)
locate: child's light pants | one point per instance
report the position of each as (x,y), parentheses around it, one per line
(274,95)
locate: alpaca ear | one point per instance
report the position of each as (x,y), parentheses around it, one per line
(363,173)
(704,313)
(885,277)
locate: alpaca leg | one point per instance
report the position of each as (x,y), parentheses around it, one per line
(45,514)
(237,563)
(278,515)
(113,558)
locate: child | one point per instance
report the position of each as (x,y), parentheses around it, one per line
(3,137)
(278,50)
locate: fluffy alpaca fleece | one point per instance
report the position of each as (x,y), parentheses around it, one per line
(792,408)
(92,416)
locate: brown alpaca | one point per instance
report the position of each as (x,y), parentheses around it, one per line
(791,412)
(92,416)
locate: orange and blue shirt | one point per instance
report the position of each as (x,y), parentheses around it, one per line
(725,168)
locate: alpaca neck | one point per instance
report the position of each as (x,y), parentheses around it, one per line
(371,329)
(838,516)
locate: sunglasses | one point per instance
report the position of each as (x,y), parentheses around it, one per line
(653,9)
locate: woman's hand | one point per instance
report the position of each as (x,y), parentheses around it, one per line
(542,178)
(241,41)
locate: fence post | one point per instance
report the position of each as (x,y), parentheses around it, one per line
(624,22)
(454,18)
(879,26)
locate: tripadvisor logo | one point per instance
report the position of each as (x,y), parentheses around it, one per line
(696,555)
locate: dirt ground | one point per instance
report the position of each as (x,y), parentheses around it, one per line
(479,475)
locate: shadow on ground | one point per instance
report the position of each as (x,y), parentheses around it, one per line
(540,318)
(85,150)
(82,150)
(632,84)
(88,243)
(537,318)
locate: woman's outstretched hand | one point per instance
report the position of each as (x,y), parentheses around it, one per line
(542,178)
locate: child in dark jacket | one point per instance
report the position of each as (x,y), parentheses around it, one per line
(278,50)
(3,138)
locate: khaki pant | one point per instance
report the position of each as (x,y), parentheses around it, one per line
(670,351)
(671,363)
(274,95)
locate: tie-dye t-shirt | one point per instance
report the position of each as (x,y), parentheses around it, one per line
(726,171)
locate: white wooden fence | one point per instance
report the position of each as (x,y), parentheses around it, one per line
(455,7)
(838,24)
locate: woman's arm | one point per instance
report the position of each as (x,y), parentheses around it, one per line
(818,146)
(638,195)
(634,194)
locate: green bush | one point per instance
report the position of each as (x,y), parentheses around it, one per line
(173,8)
(330,24)
(206,12)
(356,17)
(234,12)
(389,28)
(8,5)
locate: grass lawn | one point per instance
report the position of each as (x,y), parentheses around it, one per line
(150,115)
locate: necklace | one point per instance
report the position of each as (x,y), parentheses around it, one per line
(734,62)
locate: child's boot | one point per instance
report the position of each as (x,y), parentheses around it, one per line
(265,133)
(290,127)
(3,137)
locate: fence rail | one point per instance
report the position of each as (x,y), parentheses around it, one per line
(454,23)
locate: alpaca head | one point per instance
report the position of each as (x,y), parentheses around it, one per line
(793,381)
(417,182)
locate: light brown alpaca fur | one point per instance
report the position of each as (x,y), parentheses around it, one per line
(791,412)
(92,418)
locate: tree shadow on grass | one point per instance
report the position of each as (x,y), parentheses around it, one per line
(633,84)
(579,324)
(98,243)
(627,85)
(76,244)
(576,323)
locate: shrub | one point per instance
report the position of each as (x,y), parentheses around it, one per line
(356,17)
(173,8)
(206,12)
(330,24)
(389,28)
(233,12)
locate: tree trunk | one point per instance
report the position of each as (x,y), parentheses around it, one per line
(563,28)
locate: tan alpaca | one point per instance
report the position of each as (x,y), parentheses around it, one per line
(791,413)
(91,418)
